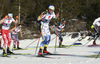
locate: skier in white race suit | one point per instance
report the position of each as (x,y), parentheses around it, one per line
(96,26)
(45,18)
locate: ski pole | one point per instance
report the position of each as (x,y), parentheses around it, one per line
(87,42)
(13,37)
(79,38)
(31,43)
(56,40)
(52,38)
(35,41)
(37,44)
(97,55)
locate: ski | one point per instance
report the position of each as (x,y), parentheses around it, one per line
(48,57)
(19,49)
(64,46)
(10,56)
(20,54)
(59,47)
(7,56)
(58,54)
(24,49)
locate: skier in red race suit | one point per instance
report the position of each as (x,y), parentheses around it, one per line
(6,22)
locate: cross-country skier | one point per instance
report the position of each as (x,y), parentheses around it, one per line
(96,26)
(45,18)
(6,22)
(14,32)
(59,31)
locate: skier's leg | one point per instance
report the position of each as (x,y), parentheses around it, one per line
(46,44)
(44,39)
(9,42)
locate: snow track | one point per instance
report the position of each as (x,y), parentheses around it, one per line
(77,53)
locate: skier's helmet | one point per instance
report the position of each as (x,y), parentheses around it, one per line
(51,7)
(10,15)
(63,21)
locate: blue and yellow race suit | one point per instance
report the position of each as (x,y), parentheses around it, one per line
(44,28)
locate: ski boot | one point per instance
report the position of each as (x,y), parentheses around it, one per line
(94,44)
(4,54)
(40,54)
(45,51)
(0,47)
(8,51)
(60,46)
(18,47)
(15,47)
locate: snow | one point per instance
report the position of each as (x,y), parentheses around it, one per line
(76,56)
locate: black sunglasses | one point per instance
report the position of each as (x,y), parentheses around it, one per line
(51,10)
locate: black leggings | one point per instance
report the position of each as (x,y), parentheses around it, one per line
(60,38)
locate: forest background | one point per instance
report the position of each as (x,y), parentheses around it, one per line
(79,14)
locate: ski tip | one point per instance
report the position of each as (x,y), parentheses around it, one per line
(93,45)
(40,56)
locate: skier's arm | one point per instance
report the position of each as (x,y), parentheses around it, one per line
(94,23)
(16,21)
(52,26)
(57,15)
(41,16)
(96,20)
(1,21)
(21,32)
(13,29)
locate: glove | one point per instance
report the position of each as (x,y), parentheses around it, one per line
(44,12)
(92,26)
(6,17)
(62,30)
(16,17)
